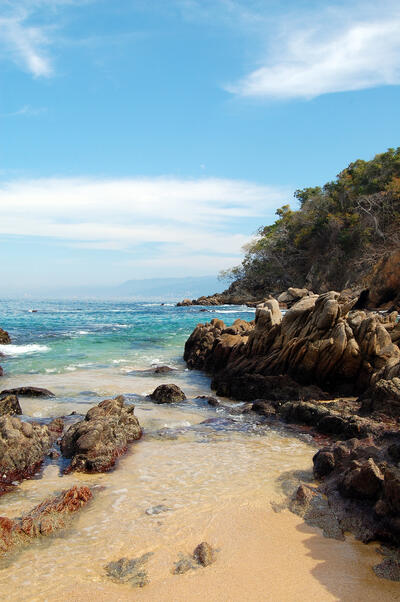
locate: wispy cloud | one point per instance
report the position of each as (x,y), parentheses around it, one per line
(26,110)
(178,218)
(333,50)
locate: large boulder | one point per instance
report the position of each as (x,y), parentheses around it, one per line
(9,404)
(362,481)
(168,394)
(23,447)
(94,444)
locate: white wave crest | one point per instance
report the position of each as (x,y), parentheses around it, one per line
(21,349)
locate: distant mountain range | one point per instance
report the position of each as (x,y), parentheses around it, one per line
(149,289)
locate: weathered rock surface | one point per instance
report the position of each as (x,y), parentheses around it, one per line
(94,444)
(49,516)
(9,404)
(28,392)
(4,337)
(168,394)
(204,554)
(23,447)
(385,283)
(315,343)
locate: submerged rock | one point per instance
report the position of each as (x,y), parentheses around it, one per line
(28,392)
(129,570)
(49,516)
(9,404)
(23,447)
(94,444)
(168,394)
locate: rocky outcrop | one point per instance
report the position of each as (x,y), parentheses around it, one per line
(4,337)
(317,342)
(46,518)
(23,447)
(384,287)
(28,392)
(9,404)
(4,340)
(292,295)
(167,394)
(94,444)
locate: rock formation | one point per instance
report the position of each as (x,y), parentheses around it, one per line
(167,394)
(94,444)
(317,342)
(9,404)
(23,447)
(28,392)
(49,516)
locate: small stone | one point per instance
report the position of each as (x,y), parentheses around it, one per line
(153,510)
(204,554)
(168,394)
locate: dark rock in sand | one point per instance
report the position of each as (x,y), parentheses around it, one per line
(96,442)
(23,447)
(314,508)
(324,463)
(204,554)
(49,516)
(168,394)
(129,570)
(28,392)
(382,397)
(362,481)
(9,404)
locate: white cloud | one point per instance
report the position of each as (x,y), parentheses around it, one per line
(26,110)
(178,218)
(353,48)
(25,44)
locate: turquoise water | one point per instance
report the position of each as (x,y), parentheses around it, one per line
(65,336)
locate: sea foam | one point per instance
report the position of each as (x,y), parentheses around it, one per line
(20,349)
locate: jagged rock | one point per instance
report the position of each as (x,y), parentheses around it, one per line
(204,554)
(23,447)
(28,392)
(392,489)
(96,442)
(167,394)
(184,303)
(292,295)
(363,481)
(383,396)
(385,283)
(9,404)
(315,343)
(4,337)
(49,516)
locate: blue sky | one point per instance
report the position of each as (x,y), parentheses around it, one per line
(151,139)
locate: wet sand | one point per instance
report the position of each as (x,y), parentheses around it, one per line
(217,484)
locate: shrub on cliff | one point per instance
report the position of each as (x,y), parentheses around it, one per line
(339,231)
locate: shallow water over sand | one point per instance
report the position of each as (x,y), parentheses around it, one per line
(214,474)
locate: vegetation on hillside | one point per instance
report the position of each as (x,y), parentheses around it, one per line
(339,231)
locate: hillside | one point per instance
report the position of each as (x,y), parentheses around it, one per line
(336,237)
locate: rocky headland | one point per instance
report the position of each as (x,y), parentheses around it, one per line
(333,369)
